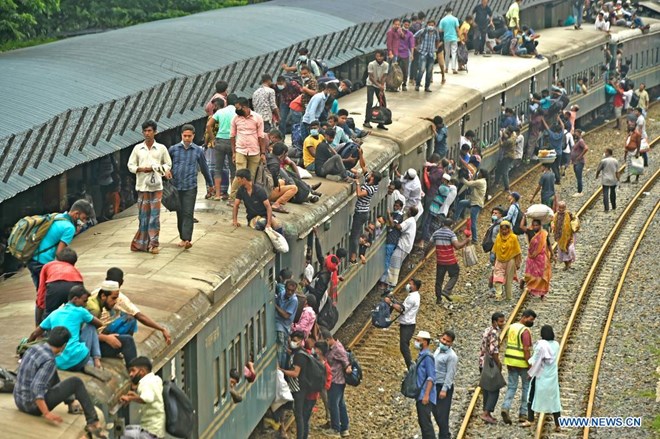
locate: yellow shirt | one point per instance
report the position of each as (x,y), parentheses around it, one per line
(123,305)
(513,14)
(463,31)
(152,412)
(310,141)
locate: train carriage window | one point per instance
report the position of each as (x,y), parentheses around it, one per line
(224,375)
(237,360)
(258,333)
(250,339)
(217,378)
(262,344)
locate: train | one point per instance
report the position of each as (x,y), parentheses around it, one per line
(218,298)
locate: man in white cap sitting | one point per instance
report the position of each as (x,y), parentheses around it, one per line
(425,381)
(112,345)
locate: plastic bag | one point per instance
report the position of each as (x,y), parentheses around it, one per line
(282,392)
(279,241)
(637,166)
(470,256)
(304,173)
(540,212)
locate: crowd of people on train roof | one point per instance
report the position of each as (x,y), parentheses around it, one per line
(245,160)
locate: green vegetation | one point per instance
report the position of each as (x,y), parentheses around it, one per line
(26,23)
(655,426)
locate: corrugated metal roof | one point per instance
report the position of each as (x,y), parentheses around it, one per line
(64,99)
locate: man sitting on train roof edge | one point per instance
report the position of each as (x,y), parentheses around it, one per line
(38,388)
(257,206)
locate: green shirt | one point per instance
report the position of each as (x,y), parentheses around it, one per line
(224,117)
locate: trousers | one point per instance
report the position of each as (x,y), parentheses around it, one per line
(609,195)
(512,385)
(184,216)
(451,55)
(243,161)
(338,413)
(425,420)
(67,391)
(127,349)
(440,272)
(406,333)
(441,412)
(359,220)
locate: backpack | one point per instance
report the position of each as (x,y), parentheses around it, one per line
(355,377)
(312,377)
(634,100)
(381,115)
(328,315)
(179,412)
(8,380)
(516,225)
(409,387)
(264,178)
(394,77)
(380,316)
(297,136)
(487,242)
(322,65)
(27,233)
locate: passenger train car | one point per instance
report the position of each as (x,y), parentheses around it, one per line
(217,299)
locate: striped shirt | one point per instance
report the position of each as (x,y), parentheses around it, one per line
(36,374)
(184,166)
(362,204)
(444,238)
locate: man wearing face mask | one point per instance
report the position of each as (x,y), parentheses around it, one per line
(286,304)
(518,350)
(376,75)
(304,59)
(285,92)
(408,317)
(317,103)
(59,236)
(446,363)
(404,246)
(425,381)
(150,395)
(248,143)
(296,364)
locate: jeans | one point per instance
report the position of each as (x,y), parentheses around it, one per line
(281,339)
(389,251)
(425,66)
(371,92)
(223,155)
(441,412)
(126,324)
(299,413)
(474,214)
(184,216)
(308,407)
(333,166)
(502,172)
(512,386)
(530,412)
(578,168)
(609,195)
(440,272)
(577,12)
(359,220)
(406,333)
(67,391)
(284,115)
(127,349)
(451,55)
(404,63)
(35,271)
(90,338)
(555,169)
(425,420)
(338,413)
(479,38)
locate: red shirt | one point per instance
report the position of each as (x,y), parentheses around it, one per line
(618,98)
(54,271)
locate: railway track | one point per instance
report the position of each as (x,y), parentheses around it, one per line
(582,345)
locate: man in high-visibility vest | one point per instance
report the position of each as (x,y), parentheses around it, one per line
(518,341)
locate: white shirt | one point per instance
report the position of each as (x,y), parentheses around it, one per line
(391,198)
(407,238)
(451,196)
(465,141)
(152,412)
(520,147)
(309,272)
(627,96)
(156,158)
(603,25)
(570,142)
(641,125)
(411,307)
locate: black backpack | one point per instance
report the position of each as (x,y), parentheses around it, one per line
(634,100)
(516,225)
(312,377)
(179,413)
(355,377)
(380,316)
(328,315)
(488,241)
(409,387)
(8,380)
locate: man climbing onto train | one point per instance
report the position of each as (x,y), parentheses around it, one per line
(365,193)
(150,162)
(286,305)
(38,388)
(149,394)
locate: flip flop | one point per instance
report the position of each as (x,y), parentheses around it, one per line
(96,432)
(280,209)
(75,409)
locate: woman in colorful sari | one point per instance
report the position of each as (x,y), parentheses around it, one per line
(564,236)
(507,260)
(538,267)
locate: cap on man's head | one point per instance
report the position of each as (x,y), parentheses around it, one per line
(516,196)
(446,177)
(411,173)
(110,285)
(423,335)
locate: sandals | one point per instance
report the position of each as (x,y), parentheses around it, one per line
(280,209)
(95,432)
(75,409)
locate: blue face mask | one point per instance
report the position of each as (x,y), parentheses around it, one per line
(314,132)
(443,348)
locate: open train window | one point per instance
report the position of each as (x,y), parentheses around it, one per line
(262,344)
(223,374)
(250,340)
(237,360)
(217,378)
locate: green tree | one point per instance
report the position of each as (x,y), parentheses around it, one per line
(19,19)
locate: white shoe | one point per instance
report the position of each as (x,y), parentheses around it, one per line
(577,194)
(535,158)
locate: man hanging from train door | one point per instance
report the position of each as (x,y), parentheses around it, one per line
(150,162)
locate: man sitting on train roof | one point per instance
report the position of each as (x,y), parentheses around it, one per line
(254,197)
(38,388)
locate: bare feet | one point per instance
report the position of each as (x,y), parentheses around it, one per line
(187,245)
(154,250)
(181,243)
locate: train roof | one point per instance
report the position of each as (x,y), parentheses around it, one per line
(78,99)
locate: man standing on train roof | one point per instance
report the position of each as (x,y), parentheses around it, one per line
(248,143)
(376,75)
(513,16)
(124,315)
(38,388)
(429,42)
(150,162)
(483,17)
(518,351)
(449,25)
(186,159)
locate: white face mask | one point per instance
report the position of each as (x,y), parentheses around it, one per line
(294,345)
(408,288)
(418,345)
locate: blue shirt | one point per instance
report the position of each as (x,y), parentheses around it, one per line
(449,26)
(445,368)
(60,230)
(36,374)
(546,103)
(314,108)
(185,162)
(428,39)
(556,141)
(441,141)
(71,317)
(290,305)
(426,372)
(340,137)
